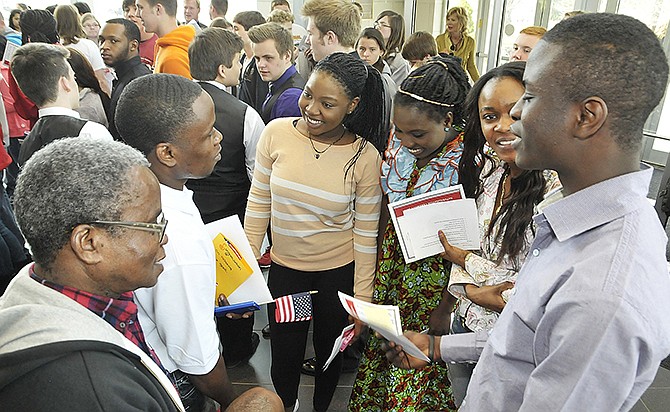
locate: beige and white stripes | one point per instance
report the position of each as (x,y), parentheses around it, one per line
(320,220)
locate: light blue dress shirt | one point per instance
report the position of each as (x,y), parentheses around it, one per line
(589,322)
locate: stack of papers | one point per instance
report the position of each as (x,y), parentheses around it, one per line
(418,219)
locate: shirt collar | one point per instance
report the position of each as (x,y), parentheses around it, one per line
(58,111)
(177,199)
(123,67)
(284,77)
(121,308)
(215,84)
(595,205)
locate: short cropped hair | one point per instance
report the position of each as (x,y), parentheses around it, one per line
(461,16)
(154,109)
(37,68)
(280,16)
(419,45)
(82,7)
(127,3)
(221,23)
(70,182)
(170,6)
(339,16)
(130,29)
(221,6)
(276,3)
(249,19)
(609,53)
(273,31)
(538,31)
(211,48)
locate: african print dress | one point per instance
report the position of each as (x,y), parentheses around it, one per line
(416,288)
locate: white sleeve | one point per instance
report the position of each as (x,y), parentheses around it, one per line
(253,127)
(177,314)
(463,347)
(96,130)
(93,55)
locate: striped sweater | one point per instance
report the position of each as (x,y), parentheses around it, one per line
(320,220)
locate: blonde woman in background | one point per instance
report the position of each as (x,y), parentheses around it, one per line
(456,42)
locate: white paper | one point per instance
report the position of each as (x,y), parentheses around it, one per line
(379,317)
(457,219)
(254,288)
(336,346)
(384,319)
(418,219)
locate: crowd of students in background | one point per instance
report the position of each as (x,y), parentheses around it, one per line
(306,134)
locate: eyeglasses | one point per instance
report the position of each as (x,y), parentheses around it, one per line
(158,227)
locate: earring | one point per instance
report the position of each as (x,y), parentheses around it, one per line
(446,129)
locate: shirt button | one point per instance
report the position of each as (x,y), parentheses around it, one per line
(122,325)
(536,252)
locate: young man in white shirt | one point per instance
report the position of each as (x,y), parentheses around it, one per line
(171,120)
(215,64)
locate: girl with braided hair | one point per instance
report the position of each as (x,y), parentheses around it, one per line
(506,198)
(316,183)
(422,156)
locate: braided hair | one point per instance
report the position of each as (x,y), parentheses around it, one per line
(437,88)
(527,190)
(359,80)
(38,26)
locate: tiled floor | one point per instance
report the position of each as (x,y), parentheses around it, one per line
(257,373)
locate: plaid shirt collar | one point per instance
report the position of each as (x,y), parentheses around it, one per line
(119,312)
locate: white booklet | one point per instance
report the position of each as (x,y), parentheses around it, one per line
(385,319)
(417,220)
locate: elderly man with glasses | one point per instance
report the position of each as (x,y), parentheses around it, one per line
(69,336)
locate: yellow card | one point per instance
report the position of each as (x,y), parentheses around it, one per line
(232,270)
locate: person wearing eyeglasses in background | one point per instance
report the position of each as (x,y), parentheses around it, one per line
(455,41)
(392,27)
(91,27)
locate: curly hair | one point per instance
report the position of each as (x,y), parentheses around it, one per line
(69,182)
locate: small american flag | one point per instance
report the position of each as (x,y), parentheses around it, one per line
(293,308)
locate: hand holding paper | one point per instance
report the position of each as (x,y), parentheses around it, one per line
(385,319)
(418,219)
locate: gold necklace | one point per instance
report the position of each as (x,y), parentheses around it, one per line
(318,153)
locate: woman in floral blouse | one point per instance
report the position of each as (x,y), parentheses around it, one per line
(506,198)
